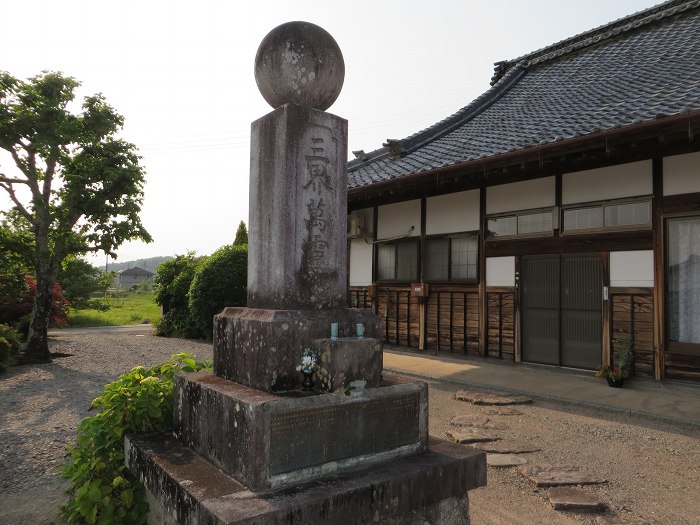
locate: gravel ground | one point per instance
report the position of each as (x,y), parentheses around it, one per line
(652,468)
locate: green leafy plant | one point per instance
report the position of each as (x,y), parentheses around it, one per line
(102,490)
(9,346)
(622,359)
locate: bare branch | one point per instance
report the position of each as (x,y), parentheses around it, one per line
(20,207)
(10,180)
(29,172)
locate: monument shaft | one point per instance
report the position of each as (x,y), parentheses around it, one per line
(297,256)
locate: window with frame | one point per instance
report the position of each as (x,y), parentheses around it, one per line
(531,223)
(397,261)
(608,216)
(451,259)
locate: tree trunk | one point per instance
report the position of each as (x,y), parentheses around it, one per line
(37,350)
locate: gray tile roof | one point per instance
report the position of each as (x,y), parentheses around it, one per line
(637,69)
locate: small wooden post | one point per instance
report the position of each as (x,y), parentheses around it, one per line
(659,265)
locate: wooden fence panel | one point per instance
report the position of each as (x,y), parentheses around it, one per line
(500,341)
(633,314)
(452,320)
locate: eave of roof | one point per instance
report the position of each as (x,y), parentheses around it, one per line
(394,161)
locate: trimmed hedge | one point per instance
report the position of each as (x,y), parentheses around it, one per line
(220,281)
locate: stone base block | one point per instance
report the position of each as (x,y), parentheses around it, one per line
(425,488)
(266,440)
(262,348)
(348,359)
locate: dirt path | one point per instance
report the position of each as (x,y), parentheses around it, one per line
(653,468)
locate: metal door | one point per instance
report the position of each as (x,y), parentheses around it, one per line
(562,310)
(540,307)
(581,311)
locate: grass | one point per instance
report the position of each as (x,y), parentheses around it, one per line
(133,308)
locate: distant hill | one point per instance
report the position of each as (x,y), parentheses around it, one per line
(149,264)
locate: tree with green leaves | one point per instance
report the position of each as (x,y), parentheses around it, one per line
(77,184)
(241,234)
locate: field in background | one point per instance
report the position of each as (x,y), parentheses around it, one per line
(132,308)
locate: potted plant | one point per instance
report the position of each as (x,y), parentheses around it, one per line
(616,373)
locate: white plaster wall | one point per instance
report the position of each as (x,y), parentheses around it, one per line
(523,195)
(682,174)
(360,262)
(454,212)
(612,182)
(500,271)
(395,219)
(634,268)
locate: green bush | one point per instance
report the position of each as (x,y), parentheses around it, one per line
(101,489)
(220,281)
(172,284)
(9,346)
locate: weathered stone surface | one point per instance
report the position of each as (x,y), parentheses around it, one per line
(297,251)
(265,440)
(482,398)
(471,421)
(553,475)
(507,447)
(348,359)
(262,348)
(470,436)
(504,460)
(195,491)
(570,498)
(299,62)
(501,411)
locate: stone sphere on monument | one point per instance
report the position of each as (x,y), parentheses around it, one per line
(301,63)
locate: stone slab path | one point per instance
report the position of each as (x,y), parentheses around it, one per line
(554,475)
(504,460)
(472,421)
(470,436)
(482,398)
(570,498)
(507,447)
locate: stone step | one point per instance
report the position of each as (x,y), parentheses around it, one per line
(183,482)
(570,498)
(470,436)
(475,421)
(504,460)
(483,398)
(507,447)
(501,411)
(555,475)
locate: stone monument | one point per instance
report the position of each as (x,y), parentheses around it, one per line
(249,444)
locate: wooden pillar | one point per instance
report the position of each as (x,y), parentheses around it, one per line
(517,345)
(375,255)
(607,309)
(659,266)
(483,306)
(423,301)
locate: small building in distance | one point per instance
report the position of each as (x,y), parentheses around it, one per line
(135,276)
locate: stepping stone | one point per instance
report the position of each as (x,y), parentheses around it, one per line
(553,475)
(504,460)
(470,436)
(476,422)
(570,498)
(481,398)
(506,447)
(501,411)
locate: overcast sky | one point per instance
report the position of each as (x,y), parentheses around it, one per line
(182,75)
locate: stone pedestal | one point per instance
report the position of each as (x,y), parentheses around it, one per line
(266,441)
(347,359)
(261,348)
